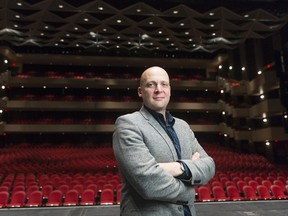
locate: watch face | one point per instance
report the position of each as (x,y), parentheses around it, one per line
(182,167)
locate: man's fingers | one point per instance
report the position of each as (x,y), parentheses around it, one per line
(195,156)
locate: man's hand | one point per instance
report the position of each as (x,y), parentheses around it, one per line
(173,168)
(195,156)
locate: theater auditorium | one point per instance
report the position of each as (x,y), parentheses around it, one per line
(69,68)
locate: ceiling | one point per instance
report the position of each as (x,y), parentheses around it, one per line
(158,28)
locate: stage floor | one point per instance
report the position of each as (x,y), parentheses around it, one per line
(240,208)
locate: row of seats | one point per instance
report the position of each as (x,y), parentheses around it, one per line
(232,193)
(102,75)
(114,98)
(98,119)
(57,198)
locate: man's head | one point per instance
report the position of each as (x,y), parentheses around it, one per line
(155,89)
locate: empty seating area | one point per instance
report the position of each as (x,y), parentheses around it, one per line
(100,73)
(60,176)
(43,175)
(243,177)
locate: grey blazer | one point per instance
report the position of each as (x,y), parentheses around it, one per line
(139,143)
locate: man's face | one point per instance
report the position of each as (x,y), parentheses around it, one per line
(155,89)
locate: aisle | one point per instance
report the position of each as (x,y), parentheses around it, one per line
(251,208)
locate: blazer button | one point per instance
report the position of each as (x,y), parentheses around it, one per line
(180,208)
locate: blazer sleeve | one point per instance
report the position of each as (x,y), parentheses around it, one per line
(202,169)
(140,168)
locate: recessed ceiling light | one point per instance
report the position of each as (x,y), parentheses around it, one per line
(60,6)
(76,28)
(119,21)
(160,32)
(182,24)
(151,23)
(86,19)
(46,27)
(212,25)
(138,10)
(175,12)
(186,33)
(211,14)
(17,16)
(16,26)
(19,3)
(100,8)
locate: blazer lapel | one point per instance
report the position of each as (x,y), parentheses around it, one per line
(155,124)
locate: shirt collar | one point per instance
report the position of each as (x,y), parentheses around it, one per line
(159,117)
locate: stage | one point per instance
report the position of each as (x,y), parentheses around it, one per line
(240,208)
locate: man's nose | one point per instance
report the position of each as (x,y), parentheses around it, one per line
(158,87)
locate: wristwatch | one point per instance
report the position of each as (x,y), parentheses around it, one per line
(181,166)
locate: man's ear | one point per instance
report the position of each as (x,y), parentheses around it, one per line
(139,91)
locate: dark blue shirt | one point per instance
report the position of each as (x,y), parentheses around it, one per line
(168,127)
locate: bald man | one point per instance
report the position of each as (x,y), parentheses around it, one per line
(159,159)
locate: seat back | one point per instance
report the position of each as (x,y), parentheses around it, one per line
(263,192)
(277,192)
(71,197)
(35,199)
(4,196)
(88,197)
(249,192)
(219,193)
(233,193)
(55,198)
(107,197)
(17,199)
(204,194)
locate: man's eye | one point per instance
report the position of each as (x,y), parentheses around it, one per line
(150,85)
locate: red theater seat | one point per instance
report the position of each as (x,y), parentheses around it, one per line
(219,193)
(35,199)
(88,197)
(17,199)
(233,193)
(264,192)
(71,198)
(107,197)
(55,198)
(250,193)
(4,196)
(204,194)
(277,192)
